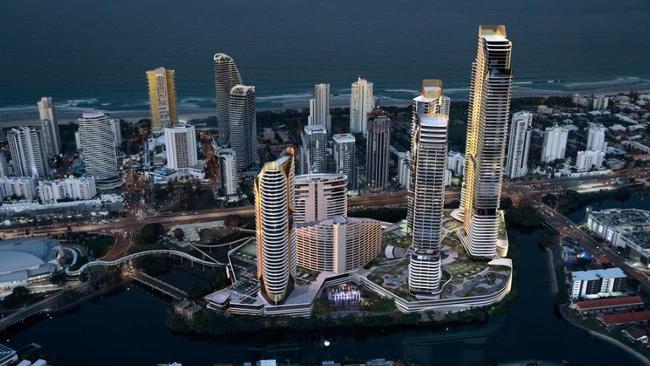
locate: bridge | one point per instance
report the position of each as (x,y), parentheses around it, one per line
(39,307)
(178,253)
(158,285)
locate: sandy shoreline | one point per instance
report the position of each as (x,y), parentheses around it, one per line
(20,117)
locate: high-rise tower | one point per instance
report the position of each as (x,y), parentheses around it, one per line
(519,145)
(243,125)
(487,126)
(377,148)
(162,97)
(554,145)
(320,197)
(49,126)
(361,103)
(276,237)
(345,158)
(228,171)
(98,149)
(596,138)
(27,155)
(430,102)
(319,107)
(180,145)
(428,165)
(312,152)
(226,76)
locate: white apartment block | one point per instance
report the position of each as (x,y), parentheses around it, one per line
(52,191)
(519,145)
(585,160)
(180,144)
(361,103)
(555,140)
(18,187)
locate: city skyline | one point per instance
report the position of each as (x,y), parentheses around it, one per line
(316,218)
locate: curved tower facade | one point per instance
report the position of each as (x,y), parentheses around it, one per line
(98,149)
(430,102)
(276,237)
(487,126)
(226,76)
(428,164)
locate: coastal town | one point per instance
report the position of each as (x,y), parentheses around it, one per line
(319,220)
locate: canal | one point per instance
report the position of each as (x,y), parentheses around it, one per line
(127,328)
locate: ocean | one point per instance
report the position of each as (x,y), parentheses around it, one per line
(91,54)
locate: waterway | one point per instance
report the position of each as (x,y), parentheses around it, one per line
(127,328)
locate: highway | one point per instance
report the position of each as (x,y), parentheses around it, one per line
(569,229)
(125,229)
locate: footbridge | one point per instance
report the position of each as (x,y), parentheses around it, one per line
(101,263)
(158,285)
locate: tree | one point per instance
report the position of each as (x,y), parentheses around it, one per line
(150,234)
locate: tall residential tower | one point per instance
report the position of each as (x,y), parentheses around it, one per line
(49,126)
(377,149)
(361,103)
(487,127)
(180,144)
(162,97)
(312,151)
(243,125)
(554,146)
(27,153)
(276,237)
(345,158)
(519,145)
(428,163)
(99,149)
(319,107)
(430,102)
(226,76)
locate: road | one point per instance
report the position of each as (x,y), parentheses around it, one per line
(36,308)
(125,229)
(569,229)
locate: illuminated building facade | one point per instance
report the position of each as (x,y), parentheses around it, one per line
(162,97)
(487,126)
(276,237)
(339,244)
(428,163)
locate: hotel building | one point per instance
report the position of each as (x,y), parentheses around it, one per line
(319,197)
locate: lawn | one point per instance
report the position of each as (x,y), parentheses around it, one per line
(463,269)
(396,241)
(452,225)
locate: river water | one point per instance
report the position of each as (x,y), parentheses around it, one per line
(127,328)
